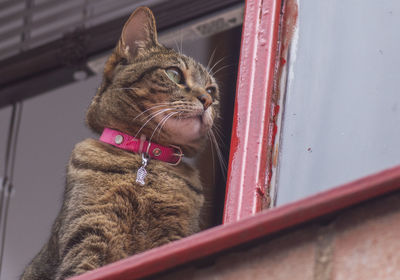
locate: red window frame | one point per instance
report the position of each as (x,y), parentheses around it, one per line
(250,165)
(252,131)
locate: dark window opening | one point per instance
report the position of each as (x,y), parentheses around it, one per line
(213,172)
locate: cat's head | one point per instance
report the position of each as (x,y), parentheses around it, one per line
(153,90)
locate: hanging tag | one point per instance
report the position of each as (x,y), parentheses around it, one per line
(142,173)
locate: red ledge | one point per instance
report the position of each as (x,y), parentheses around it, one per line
(262,224)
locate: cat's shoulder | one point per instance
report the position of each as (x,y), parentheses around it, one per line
(92,147)
(94,151)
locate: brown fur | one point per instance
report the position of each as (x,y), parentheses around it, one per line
(106,216)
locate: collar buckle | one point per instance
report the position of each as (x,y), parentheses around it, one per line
(179,155)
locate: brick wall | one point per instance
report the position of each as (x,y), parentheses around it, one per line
(360,243)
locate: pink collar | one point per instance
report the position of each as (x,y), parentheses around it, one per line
(172,154)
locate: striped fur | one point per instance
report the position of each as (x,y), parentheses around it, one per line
(105,215)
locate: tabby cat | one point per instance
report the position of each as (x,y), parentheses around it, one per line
(150,92)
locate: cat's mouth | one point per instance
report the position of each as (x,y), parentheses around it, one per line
(189,126)
(194,116)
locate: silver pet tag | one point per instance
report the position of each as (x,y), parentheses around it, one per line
(141,173)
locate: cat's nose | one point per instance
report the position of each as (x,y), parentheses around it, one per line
(205,99)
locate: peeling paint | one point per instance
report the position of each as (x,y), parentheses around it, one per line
(288,27)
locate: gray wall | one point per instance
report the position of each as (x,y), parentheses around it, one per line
(51,125)
(342,113)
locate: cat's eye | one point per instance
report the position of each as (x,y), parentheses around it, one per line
(175,75)
(211,90)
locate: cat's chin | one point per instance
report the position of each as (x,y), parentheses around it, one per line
(187,130)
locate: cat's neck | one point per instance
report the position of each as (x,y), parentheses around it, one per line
(170,154)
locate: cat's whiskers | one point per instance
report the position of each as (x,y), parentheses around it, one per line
(179,49)
(152,117)
(153,107)
(211,59)
(181,42)
(176,46)
(152,113)
(212,154)
(170,105)
(219,154)
(222,68)
(135,108)
(215,64)
(163,122)
(218,132)
(165,118)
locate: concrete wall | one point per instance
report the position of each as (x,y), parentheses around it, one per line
(358,243)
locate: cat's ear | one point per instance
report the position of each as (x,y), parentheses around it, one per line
(139,33)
